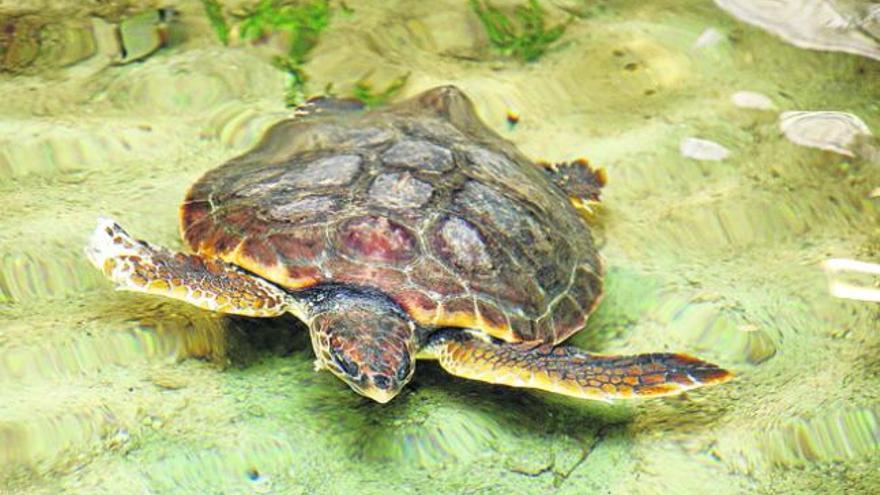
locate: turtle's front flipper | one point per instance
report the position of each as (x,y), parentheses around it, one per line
(579,180)
(568,370)
(210,284)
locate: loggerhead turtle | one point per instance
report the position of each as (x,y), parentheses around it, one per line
(407,232)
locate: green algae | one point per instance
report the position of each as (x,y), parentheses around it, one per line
(299,23)
(524,35)
(363,91)
(214,11)
(302,24)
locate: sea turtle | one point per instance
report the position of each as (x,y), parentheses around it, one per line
(411,231)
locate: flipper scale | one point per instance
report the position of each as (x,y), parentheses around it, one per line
(207,283)
(568,370)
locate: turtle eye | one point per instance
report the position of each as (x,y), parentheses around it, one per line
(403,371)
(348,366)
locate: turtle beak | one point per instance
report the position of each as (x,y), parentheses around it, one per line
(379,395)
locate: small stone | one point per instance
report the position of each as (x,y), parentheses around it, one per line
(853,279)
(709,37)
(152,421)
(168,380)
(256,410)
(752,100)
(703,149)
(118,440)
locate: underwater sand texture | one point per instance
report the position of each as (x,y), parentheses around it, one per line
(113,392)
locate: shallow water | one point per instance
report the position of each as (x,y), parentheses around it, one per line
(113,392)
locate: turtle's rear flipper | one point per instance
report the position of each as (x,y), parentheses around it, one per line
(579,180)
(210,284)
(568,370)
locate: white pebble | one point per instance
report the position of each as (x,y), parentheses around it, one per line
(709,37)
(852,279)
(753,100)
(832,131)
(702,149)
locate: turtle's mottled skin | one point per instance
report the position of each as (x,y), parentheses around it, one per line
(408,231)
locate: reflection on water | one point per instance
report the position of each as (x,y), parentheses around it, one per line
(738,165)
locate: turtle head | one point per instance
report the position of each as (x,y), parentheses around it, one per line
(368,344)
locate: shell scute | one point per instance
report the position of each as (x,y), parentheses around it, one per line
(461,245)
(399,190)
(416,302)
(521,328)
(297,276)
(301,210)
(376,238)
(419,155)
(333,170)
(343,270)
(259,251)
(430,274)
(492,315)
(568,314)
(299,246)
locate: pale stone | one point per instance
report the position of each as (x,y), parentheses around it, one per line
(703,149)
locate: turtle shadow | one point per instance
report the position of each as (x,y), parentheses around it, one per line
(246,341)
(439,418)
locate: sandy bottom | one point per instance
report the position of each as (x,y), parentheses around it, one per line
(110,392)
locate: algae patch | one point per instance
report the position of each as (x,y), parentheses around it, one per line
(525,36)
(363,91)
(218,22)
(299,24)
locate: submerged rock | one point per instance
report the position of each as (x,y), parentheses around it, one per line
(852,279)
(832,25)
(752,100)
(827,130)
(703,149)
(709,37)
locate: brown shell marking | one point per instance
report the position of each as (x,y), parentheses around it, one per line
(376,238)
(462,312)
(430,274)
(260,255)
(359,273)
(256,252)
